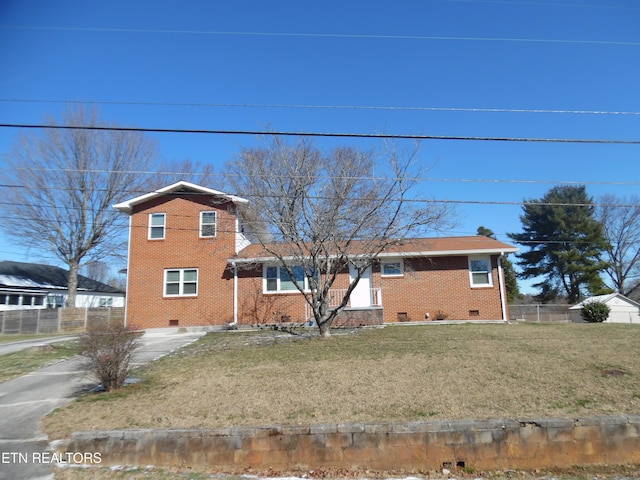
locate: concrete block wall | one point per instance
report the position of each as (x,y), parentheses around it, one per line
(482,445)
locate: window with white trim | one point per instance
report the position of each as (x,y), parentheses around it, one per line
(392,268)
(157,224)
(105,302)
(480,271)
(208,224)
(277,279)
(181,282)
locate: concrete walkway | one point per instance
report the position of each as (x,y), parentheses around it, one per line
(25,400)
(24,344)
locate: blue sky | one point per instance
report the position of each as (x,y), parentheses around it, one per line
(442,65)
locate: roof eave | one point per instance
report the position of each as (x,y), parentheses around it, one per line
(435,253)
(127,206)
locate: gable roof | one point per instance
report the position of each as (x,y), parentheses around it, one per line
(33,275)
(413,247)
(181,186)
(605,299)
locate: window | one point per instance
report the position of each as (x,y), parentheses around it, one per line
(105,302)
(156,226)
(181,282)
(392,268)
(277,279)
(207,224)
(55,301)
(480,271)
(271,279)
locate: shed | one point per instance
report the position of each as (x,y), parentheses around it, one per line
(622,309)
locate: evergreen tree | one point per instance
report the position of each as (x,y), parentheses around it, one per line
(510,278)
(565,244)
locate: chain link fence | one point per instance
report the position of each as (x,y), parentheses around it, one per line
(540,313)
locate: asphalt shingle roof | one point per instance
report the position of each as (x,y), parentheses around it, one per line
(407,247)
(18,274)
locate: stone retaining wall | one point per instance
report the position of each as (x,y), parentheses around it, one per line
(483,445)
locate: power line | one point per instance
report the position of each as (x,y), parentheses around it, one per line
(324,35)
(547,4)
(325,134)
(333,107)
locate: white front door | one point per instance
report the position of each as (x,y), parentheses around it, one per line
(361,295)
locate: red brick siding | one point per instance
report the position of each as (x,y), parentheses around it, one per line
(256,307)
(428,285)
(438,284)
(182,248)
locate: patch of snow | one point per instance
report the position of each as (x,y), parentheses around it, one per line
(13,281)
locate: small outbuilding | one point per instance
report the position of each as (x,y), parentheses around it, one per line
(622,309)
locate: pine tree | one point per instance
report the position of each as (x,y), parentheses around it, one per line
(565,244)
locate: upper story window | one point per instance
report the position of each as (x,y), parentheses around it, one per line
(278,279)
(480,271)
(181,282)
(157,226)
(392,268)
(207,224)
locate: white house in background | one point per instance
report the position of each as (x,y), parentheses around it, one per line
(30,285)
(622,309)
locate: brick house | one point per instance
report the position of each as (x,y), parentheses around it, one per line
(192,262)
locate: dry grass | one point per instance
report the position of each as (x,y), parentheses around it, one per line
(378,375)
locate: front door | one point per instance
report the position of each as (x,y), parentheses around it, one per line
(361,295)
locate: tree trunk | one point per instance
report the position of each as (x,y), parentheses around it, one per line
(325,329)
(72,287)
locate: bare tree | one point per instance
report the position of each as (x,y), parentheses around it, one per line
(61,183)
(172,171)
(328,211)
(620,219)
(98,270)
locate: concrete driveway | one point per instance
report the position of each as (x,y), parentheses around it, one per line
(25,400)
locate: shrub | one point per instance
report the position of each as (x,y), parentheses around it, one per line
(440,315)
(595,312)
(109,350)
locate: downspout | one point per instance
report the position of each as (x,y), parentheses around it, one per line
(235,293)
(126,288)
(503,300)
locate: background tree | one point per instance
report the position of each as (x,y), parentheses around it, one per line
(510,278)
(620,219)
(172,171)
(60,185)
(327,211)
(565,243)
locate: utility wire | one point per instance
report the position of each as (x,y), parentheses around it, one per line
(546,4)
(324,35)
(324,134)
(332,107)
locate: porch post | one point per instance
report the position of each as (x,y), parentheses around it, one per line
(503,300)
(235,293)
